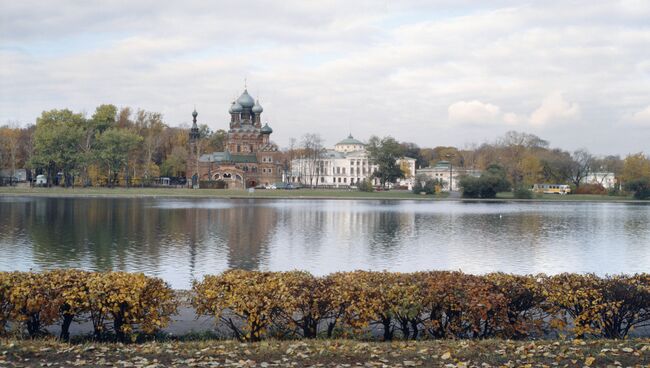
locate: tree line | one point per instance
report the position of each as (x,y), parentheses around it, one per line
(111,147)
(126,146)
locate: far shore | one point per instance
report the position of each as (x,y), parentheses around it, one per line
(311,194)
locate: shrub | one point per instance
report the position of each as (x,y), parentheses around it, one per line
(365,186)
(523,193)
(425,185)
(598,189)
(492,181)
(252,298)
(524,303)
(7,281)
(463,306)
(309,303)
(640,187)
(130,300)
(36,300)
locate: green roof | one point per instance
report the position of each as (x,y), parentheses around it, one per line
(350,140)
(243,158)
(228,157)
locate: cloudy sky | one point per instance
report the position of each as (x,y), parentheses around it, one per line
(430,72)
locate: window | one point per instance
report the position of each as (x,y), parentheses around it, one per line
(322,179)
(344,170)
(345,180)
(238,148)
(270,171)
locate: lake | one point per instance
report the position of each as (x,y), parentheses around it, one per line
(183,239)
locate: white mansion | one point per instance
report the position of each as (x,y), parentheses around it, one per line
(346,165)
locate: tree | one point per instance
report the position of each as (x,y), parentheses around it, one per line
(150,126)
(56,143)
(176,163)
(384,153)
(217,140)
(9,142)
(635,167)
(491,182)
(581,166)
(640,187)
(114,148)
(312,150)
(412,150)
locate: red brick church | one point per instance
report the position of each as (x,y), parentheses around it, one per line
(250,158)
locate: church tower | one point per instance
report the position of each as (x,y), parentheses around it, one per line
(193,161)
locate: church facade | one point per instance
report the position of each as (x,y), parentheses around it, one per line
(249,160)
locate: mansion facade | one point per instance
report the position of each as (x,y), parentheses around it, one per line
(346,165)
(250,158)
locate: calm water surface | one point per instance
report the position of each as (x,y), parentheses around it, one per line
(183,239)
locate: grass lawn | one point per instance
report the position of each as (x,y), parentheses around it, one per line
(217,193)
(329,353)
(571,197)
(265,193)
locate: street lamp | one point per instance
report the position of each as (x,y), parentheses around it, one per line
(449,156)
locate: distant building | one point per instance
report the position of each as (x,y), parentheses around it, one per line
(345,165)
(606,179)
(250,158)
(444,170)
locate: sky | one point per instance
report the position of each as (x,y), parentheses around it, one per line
(576,73)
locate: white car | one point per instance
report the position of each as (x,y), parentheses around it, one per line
(271,187)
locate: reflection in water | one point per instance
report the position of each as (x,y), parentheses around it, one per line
(180,240)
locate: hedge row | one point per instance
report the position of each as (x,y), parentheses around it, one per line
(132,302)
(255,305)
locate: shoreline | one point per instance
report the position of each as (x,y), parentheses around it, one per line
(303,194)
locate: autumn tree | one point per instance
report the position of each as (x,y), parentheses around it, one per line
(114,147)
(9,147)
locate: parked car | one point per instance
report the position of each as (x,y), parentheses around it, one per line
(41,180)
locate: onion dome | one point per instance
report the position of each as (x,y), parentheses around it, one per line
(245,100)
(194,113)
(266,129)
(257,108)
(236,107)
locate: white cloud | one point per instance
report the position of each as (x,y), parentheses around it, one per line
(555,109)
(473,112)
(641,117)
(393,68)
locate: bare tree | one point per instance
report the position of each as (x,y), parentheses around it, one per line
(581,166)
(312,147)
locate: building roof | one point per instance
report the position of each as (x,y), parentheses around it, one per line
(227,157)
(246,100)
(350,140)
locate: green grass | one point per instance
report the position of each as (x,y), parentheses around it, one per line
(217,193)
(265,193)
(570,197)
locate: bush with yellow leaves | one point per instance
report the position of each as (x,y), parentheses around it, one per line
(245,301)
(603,307)
(36,300)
